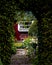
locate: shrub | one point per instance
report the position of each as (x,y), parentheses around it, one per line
(6,40)
(0,62)
(13,49)
(27,45)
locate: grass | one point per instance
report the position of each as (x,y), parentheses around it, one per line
(18,45)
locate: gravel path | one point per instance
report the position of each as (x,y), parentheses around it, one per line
(20,58)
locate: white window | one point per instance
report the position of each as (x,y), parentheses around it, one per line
(24,27)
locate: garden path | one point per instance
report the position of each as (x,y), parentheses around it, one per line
(20,58)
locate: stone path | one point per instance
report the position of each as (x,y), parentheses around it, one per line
(20,58)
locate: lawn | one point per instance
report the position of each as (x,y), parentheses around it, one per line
(18,45)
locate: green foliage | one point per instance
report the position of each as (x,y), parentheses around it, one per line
(26,42)
(13,49)
(27,45)
(40,8)
(33,30)
(6,30)
(6,40)
(35,58)
(24,16)
(0,62)
(46,40)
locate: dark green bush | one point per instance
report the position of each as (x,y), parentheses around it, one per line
(13,49)
(6,40)
(0,62)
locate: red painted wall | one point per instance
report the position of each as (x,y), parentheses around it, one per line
(19,35)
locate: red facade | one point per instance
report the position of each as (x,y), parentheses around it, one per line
(19,35)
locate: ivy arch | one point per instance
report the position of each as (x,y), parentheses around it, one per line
(42,10)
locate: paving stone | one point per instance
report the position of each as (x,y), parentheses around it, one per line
(20,58)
